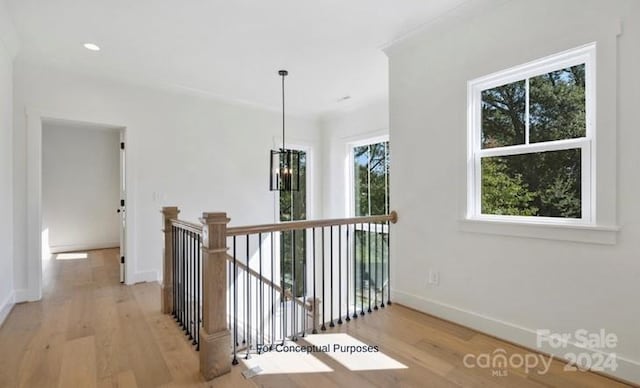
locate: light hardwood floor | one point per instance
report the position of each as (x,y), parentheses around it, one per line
(433,350)
(90,331)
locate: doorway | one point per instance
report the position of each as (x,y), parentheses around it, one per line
(35,123)
(83,191)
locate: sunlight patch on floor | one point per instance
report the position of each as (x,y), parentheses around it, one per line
(71,256)
(352,353)
(275,362)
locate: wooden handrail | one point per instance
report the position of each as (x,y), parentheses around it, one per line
(276,287)
(190,226)
(298,225)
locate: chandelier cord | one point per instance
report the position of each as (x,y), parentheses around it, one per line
(283,144)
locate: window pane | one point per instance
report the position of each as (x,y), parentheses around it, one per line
(557,105)
(546,184)
(378,189)
(293,207)
(503,115)
(371,175)
(361,184)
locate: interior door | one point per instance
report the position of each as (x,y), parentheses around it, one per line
(122,208)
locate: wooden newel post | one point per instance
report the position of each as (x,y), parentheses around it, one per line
(166,288)
(215,338)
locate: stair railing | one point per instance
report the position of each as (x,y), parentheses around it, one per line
(238,291)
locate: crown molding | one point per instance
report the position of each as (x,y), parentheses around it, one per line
(465,10)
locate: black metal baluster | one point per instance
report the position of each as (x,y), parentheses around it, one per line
(261,325)
(339,274)
(174,262)
(256,326)
(179,276)
(355,273)
(195,279)
(180,285)
(369,265)
(180,281)
(184,280)
(230,294)
(256,315)
(189,285)
(198,299)
(382,264)
(375,271)
(187,254)
(187,274)
(192,263)
(331,324)
(324,300)
(235,304)
(304,284)
(315,304)
(294,289)
(273,295)
(348,247)
(362,270)
(389,262)
(283,296)
(247,318)
(193,288)
(187,310)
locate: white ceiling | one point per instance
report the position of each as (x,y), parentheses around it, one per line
(229,48)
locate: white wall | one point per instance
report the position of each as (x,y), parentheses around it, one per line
(80,187)
(511,286)
(8,44)
(198,153)
(339,130)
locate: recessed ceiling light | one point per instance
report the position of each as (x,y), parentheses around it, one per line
(92,46)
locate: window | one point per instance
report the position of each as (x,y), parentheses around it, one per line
(293,207)
(371,179)
(531,132)
(371,197)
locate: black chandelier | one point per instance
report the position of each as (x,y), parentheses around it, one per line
(284,163)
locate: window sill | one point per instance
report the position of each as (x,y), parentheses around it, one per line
(593,234)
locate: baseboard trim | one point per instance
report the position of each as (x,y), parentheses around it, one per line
(24,295)
(628,369)
(83,247)
(144,276)
(7,306)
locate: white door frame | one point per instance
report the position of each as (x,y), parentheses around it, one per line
(34,121)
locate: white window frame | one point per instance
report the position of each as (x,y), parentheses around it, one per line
(582,55)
